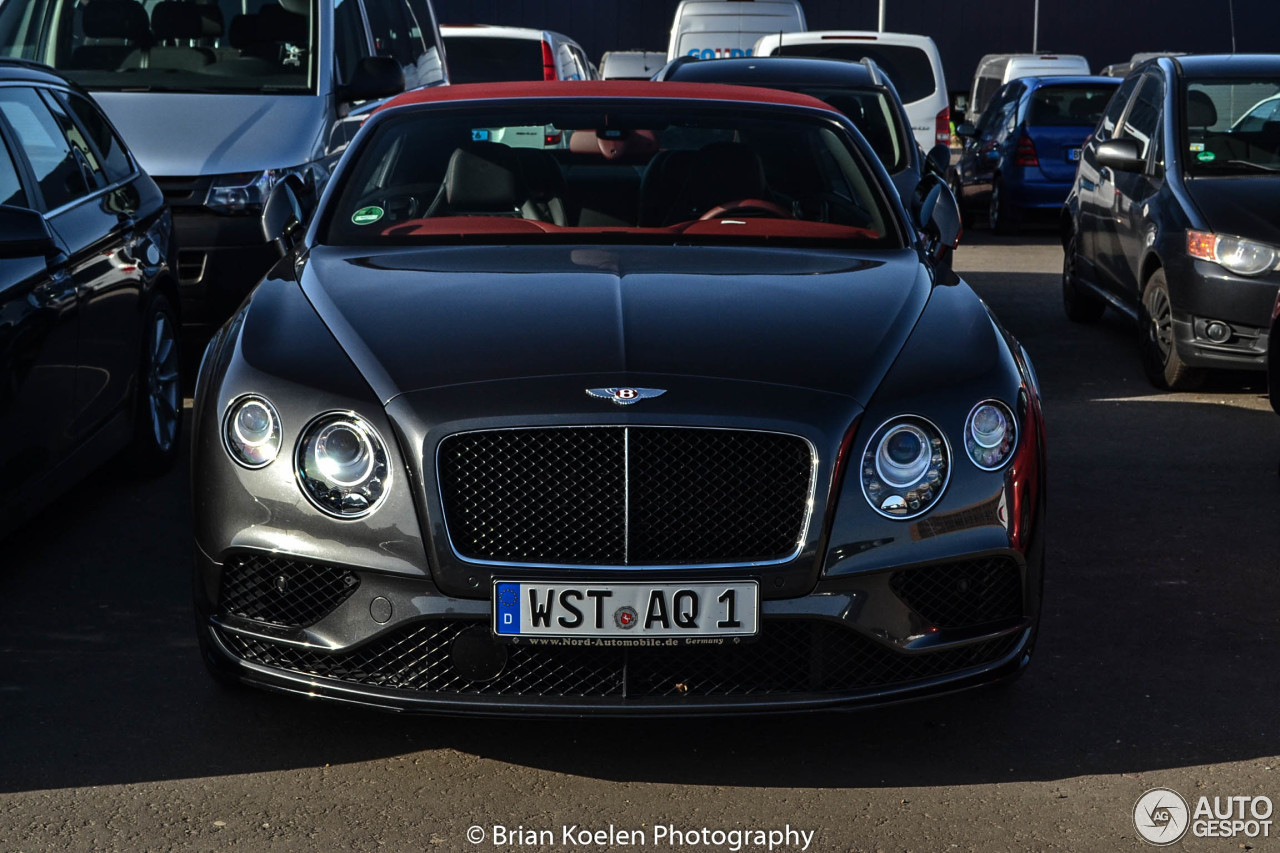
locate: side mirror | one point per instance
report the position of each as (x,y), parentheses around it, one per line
(284,213)
(1121,155)
(24,234)
(966,130)
(374,77)
(937,217)
(939,159)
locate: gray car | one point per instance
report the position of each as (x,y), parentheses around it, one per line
(220,100)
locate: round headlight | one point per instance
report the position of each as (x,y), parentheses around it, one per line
(342,465)
(251,431)
(905,467)
(990,434)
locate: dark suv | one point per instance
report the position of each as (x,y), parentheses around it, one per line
(1173,218)
(88,326)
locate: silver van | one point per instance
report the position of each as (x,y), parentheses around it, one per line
(221,100)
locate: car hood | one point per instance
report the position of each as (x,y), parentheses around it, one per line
(185,135)
(1243,206)
(417,319)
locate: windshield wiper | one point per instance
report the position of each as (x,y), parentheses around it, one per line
(1249,164)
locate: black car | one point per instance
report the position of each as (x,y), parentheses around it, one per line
(860,90)
(1173,218)
(757,449)
(88,327)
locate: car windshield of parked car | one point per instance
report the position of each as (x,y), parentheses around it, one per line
(257,46)
(873,114)
(480,59)
(908,67)
(609,172)
(1232,126)
(1068,106)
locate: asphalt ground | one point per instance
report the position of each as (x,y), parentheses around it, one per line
(1157,666)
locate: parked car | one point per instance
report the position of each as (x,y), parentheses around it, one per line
(1273,358)
(1122,69)
(1020,159)
(766,452)
(219,101)
(88,300)
(631,64)
(911,61)
(479,53)
(858,89)
(996,69)
(1172,219)
(723,29)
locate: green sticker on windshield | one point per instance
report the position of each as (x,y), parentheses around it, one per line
(367,215)
(1206,156)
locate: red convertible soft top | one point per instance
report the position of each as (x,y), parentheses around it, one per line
(546,89)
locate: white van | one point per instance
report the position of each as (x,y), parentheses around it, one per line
(996,69)
(910,61)
(715,29)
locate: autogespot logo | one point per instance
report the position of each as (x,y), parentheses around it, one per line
(1160,816)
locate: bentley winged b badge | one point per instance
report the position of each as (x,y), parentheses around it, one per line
(626,396)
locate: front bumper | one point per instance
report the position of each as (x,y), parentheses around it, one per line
(397,643)
(1203,292)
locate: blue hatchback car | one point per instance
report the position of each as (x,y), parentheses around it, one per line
(1022,155)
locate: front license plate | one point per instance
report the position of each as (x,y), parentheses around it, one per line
(1073,154)
(622,614)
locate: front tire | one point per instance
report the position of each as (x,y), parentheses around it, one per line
(1080,305)
(158,394)
(1160,359)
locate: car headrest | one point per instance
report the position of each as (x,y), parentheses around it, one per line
(1200,109)
(482,177)
(245,30)
(173,19)
(724,171)
(116,19)
(540,172)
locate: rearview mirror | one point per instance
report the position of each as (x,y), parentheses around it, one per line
(1121,155)
(937,217)
(374,77)
(939,159)
(966,130)
(24,233)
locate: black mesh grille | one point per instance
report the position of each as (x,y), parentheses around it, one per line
(615,496)
(789,657)
(283,591)
(963,594)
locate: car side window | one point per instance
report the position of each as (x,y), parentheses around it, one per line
(1115,109)
(10,185)
(1009,109)
(1143,118)
(114,157)
(83,152)
(394,32)
(430,67)
(990,118)
(58,173)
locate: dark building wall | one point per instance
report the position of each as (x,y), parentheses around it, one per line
(1105,31)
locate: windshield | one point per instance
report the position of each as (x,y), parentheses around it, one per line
(611,172)
(167,45)
(1232,126)
(908,67)
(1068,106)
(874,115)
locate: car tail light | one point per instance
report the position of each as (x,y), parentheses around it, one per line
(942,127)
(548,62)
(551,139)
(1026,155)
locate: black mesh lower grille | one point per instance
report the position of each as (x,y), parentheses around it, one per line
(790,657)
(282,591)
(633,496)
(962,594)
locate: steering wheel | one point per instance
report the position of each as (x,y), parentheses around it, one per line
(747,207)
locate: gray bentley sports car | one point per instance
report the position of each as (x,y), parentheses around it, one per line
(638,398)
